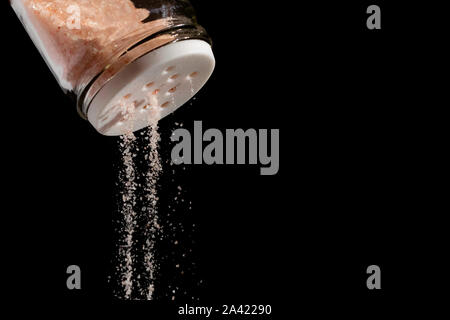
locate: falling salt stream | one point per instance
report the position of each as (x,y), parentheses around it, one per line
(129,177)
(151,211)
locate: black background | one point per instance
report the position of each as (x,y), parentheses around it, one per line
(354,188)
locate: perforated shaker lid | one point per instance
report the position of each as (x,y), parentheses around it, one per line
(151,87)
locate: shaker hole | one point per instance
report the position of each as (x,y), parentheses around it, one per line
(170,68)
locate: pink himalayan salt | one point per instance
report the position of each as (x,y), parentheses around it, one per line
(74,52)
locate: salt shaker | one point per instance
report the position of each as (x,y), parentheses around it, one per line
(128,63)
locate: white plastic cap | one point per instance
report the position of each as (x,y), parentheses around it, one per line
(151,87)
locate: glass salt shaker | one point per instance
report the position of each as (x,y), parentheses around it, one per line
(128,63)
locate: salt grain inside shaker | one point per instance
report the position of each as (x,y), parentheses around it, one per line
(128,63)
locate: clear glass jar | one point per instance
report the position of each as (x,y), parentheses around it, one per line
(89,43)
